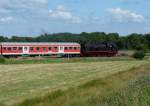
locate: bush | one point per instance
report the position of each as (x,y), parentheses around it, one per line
(142,47)
(2,60)
(139,54)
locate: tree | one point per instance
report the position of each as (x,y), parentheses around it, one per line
(142,47)
(139,54)
(3,39)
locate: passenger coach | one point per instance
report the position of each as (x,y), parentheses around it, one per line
(16,49)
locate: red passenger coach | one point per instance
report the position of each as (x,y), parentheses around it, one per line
(15,49)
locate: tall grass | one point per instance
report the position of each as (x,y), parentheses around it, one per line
(64,60)
(136,94)
(131,88)
(1,104)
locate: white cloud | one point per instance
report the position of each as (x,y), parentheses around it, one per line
(63,13)
(124,15)
(23,11)
(22,6)
(6,19)
(33,9)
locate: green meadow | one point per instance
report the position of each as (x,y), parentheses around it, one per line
(70,83)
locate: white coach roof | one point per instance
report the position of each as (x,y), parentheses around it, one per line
(38,43)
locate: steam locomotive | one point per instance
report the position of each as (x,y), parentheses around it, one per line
(99,49)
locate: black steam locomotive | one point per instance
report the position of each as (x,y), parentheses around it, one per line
(102,49)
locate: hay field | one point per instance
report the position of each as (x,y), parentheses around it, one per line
(27,80)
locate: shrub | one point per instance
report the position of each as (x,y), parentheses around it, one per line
(142,47)
(2,60)
(139,54)
(1,104)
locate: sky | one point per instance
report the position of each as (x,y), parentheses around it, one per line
(35,17)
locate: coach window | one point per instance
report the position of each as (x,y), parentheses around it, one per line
(75,48)
(4,48)
(50,48)
(55,48)
(70,48)
(31,48)
(9,48)
(14,48)
(20,48)
(66,48)
(37,48)
(44,48)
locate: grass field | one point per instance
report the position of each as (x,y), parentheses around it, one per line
(127,88)
(20,81)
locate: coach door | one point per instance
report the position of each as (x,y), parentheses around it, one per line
(61,49)
(25,50)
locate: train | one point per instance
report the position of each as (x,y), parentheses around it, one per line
(15,49)
(102,49)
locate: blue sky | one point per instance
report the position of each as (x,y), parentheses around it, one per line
(34,17)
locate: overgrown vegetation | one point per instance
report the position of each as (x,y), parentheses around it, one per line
(136,94)
(129,88)
(2,104)
(2,60)
(139,54)
(48,60)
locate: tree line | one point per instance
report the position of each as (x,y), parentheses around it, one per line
(123,42)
